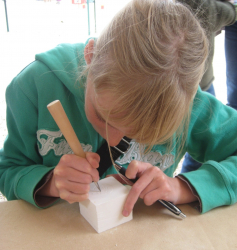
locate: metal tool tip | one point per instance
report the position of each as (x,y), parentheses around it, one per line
(97,185)
(183,216)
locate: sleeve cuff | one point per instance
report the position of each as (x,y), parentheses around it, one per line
(44,201)
(29,182)
(197,205)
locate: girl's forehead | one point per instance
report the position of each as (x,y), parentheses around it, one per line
(105,103)
(105,100)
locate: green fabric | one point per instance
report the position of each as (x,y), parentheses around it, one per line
(27,98)
(214,15)
(35,144)
(212,141)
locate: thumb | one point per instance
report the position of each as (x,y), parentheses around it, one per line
(93,159)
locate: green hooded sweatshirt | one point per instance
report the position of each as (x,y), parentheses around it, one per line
(35,144)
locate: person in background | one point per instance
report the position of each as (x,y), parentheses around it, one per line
(214,15)
(231,62)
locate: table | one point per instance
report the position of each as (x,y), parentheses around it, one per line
(23,226)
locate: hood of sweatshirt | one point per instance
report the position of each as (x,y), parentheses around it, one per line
(66,61)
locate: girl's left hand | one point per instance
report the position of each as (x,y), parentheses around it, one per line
(154,185)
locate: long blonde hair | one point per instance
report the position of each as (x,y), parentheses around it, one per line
(151,58)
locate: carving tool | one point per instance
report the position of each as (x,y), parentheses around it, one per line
(56,110)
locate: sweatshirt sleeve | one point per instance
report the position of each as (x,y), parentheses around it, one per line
(21,166)
(222,13)
(212,140)
(213,14)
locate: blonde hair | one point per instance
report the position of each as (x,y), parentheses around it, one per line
(151,58)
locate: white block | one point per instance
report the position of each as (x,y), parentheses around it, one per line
(103,210)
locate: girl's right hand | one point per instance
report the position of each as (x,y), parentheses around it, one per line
(72,177)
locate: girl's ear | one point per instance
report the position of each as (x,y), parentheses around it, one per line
(88,51)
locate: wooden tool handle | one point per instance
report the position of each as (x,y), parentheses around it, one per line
(56,110)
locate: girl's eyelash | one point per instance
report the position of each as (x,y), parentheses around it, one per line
(99,118)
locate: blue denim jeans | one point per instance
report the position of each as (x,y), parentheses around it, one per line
(189,164)
(231,64)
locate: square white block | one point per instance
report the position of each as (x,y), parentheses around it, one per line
(103,210)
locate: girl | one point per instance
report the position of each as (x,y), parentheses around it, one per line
(141,80)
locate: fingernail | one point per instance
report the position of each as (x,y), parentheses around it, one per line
(125,213)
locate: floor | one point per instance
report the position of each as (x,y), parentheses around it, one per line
(35,26)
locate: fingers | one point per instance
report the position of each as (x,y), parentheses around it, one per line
(152,185)
(72,197)
(80,164)
(70,189)
(134,194)
(132,170)
(73,187)
(93,159)
(159,182)
(136,169)
(73,175)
